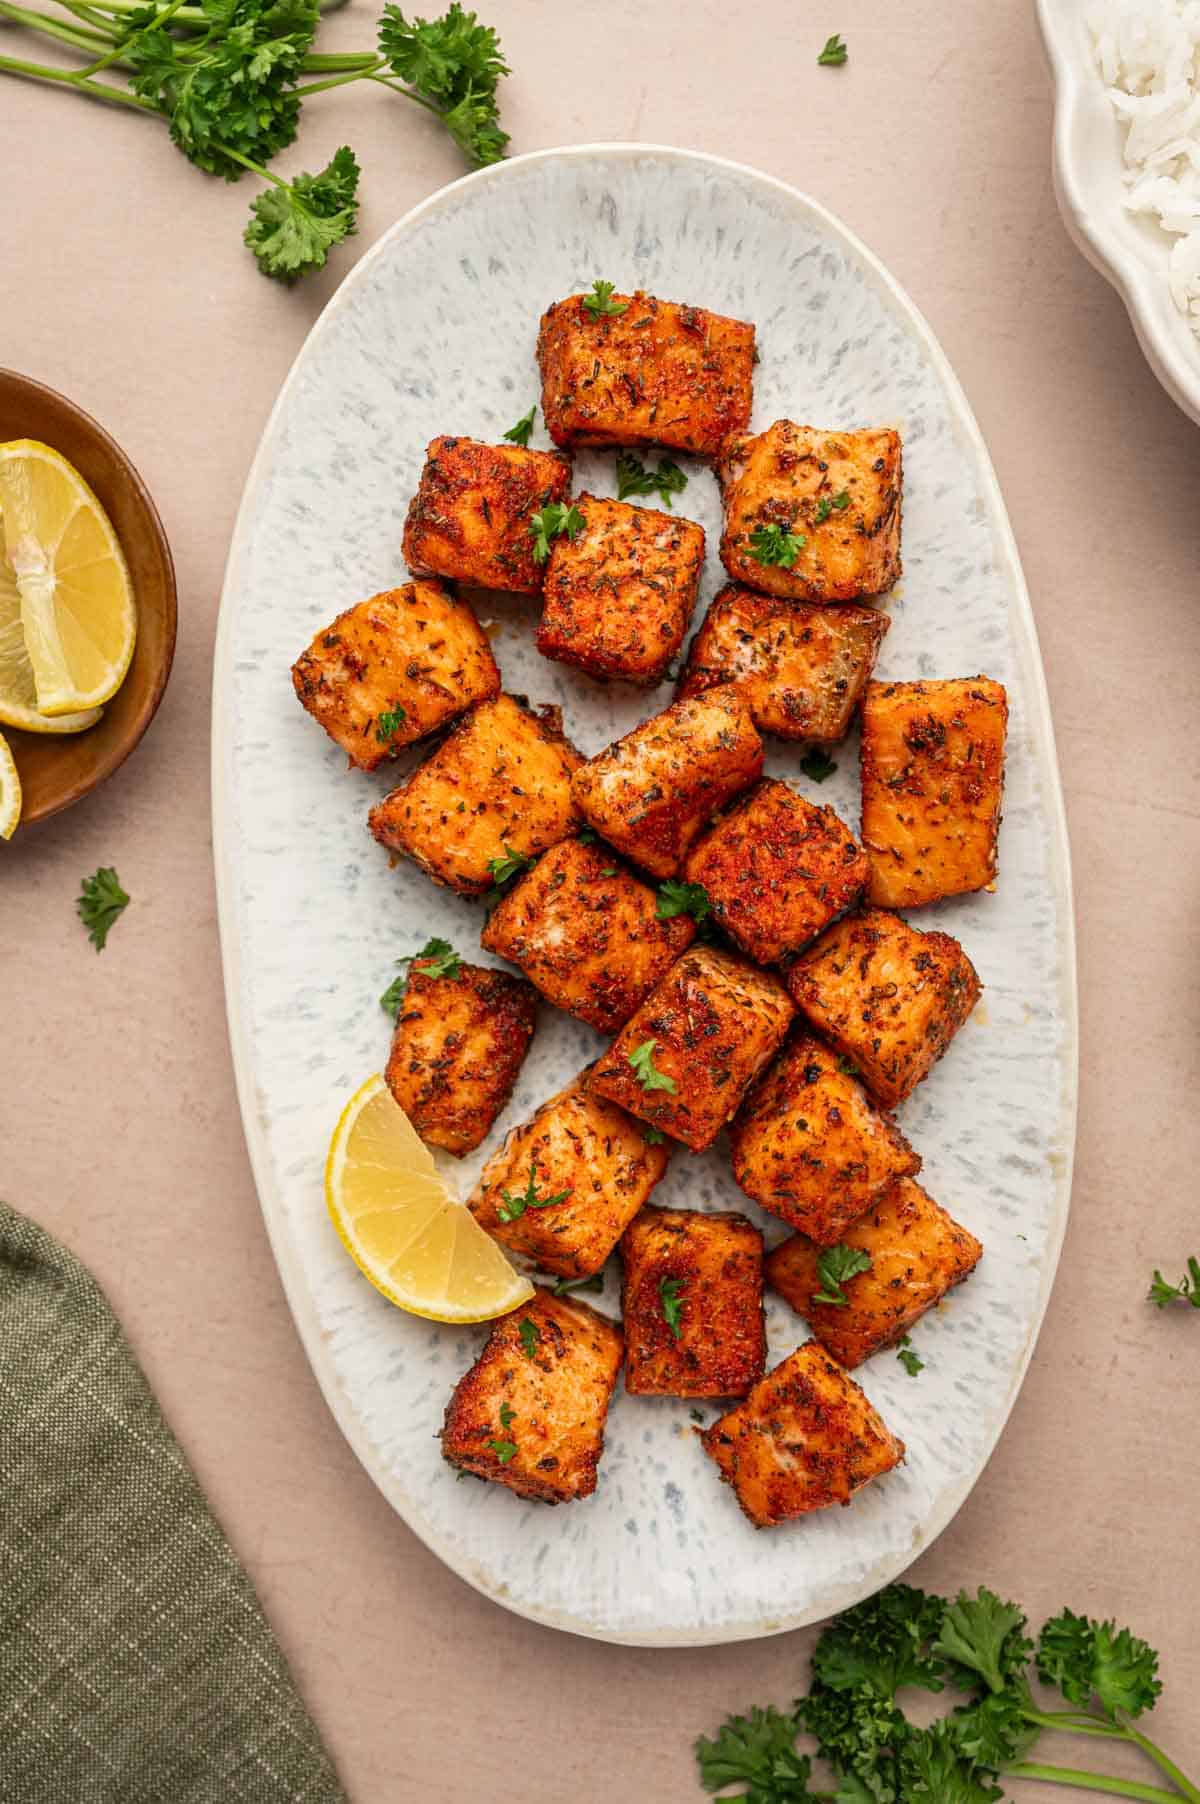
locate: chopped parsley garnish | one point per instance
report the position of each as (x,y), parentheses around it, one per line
(554,519)
(101,901)
(633,478)
(776,544)
(502,869)
(530,1334)
(507,1414)
(847,1066)
(670,1295)
(390,723)
(513,1207)
(677,898)
(817,764)
(437,959)
(587,836)
(834,1266)
(827,503)
(504,1450)
(519,434)
(647,1074)
(1162,1294)
(564,1285)
(652,1136)
(908,1356)
(834,53)
(697,1415)
(600,303)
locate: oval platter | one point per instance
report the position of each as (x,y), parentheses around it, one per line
(433,332)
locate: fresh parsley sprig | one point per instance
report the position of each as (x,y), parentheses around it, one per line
(512,1208)
(775,544)
(437,958)
(827,503)
(834,54)
(101,902)
(553,520)
(908,1356)
(389,723)
(600,304)
(678,898)
(972,1645)
(1162,1293)
(633,478)
(670,1296)
(520,433)
(647,1073)
(836,1265)
(503,868)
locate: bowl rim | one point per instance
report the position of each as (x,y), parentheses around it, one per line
(120,749)
(1140,282)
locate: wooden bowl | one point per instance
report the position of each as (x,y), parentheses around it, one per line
(57,769)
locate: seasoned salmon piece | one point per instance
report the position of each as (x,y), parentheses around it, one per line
(499,784)
(619,595)
(692,1304)
(810,1146)
(932,780)
(394,668)
(917,1252)
(805,1437)
(801,670)
(887,996)
(651,793)
(588,933)
(684,1061)
(460,1041)
(632,370)
(471,516)
(810,515)
(531,1411)
(777,869)
(565,1185)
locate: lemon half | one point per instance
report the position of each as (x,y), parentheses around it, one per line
(77,609)
(18,692)
(401,1226)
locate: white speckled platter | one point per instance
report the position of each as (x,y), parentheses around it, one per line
(434,332)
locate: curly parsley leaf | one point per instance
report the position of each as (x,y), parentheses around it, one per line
(881,1645)
(519,434)
(504,867)
(600,304)
(776,544)
(817,764)
(1087,1660)
(909,1358)
(513,1207)
(651,1135)
(1162,1294)
(101,901)
(835,1265)
(645,1070)
(759,1751)
(294,225)
(834,54)
(553,520)
(437,958)
(986,1636)
(670,1296)
(633,478)
(678,898)
(454,64)
(934,1772)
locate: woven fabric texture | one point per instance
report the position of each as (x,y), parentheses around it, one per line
(136,1666)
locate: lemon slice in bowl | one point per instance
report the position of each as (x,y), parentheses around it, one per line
(77,610)
(10,794)
(400,1224)
(18,693)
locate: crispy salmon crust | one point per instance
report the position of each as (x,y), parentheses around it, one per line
(888,996)
(458,1046)
(393,669)
(470,517)
(530,1414)
(837,493)
(804,1438)
(645,372)
(711,1266)
(918,1253)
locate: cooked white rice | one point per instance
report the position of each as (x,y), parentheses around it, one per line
(1149,56)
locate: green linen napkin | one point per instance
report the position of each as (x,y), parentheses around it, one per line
(136,1666)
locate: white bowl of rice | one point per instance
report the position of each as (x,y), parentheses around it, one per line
(1127,164)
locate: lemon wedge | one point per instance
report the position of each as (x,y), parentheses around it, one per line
(10,794)
(77,611)
(399,1223)
(18,693)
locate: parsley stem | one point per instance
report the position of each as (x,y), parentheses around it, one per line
(1071,1775)
(339,81)
(332,63)
(1082,1722)
(113,54)
(254,168)
(1161,1760)
(74,35)
(98,90)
